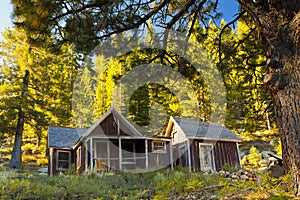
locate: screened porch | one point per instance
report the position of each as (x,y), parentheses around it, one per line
(126,153)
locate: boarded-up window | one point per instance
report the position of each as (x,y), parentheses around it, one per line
(63,160)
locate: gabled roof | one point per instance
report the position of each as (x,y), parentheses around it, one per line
(64,137)
(120,120)
(204,130)
(69,137)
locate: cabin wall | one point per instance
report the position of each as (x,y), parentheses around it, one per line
(158,158)
(110,127)
(195,158)
(80,162)
(180,154)
(226,153)
(53,170)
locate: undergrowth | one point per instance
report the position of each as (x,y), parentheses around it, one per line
(163,184)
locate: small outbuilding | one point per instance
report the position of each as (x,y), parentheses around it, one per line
(202,146)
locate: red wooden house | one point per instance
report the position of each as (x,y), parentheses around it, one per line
(111,143)
(202,146)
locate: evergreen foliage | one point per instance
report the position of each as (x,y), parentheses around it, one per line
(243,67)
(83,100)
(45,98)
(254,157)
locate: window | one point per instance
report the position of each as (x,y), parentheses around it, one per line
(159,146)
(79,157)
(63,160)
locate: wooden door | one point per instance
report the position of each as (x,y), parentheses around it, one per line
(206,157)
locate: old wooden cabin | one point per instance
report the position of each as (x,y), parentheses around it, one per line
(113,143)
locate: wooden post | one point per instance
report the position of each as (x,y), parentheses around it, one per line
(108,154)
(238,154)
(51,163)
(86,158)
(189,154)
(118,124)
(146,154)
(91,152)
(171,156)
(120,154)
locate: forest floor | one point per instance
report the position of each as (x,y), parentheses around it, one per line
(162,184)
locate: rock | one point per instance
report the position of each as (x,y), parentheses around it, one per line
(272,159)
(234,176)
(264,169)
(222,172)
(43,170)
(265,154)
(263,163)
(276,171)
(244,177)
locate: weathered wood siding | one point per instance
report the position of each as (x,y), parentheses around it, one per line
(226,153)
(80,169)
(158,159)
(110,127)
(180,154)
(54,158)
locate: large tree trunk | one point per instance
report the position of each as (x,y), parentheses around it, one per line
(16,159)
(279,24)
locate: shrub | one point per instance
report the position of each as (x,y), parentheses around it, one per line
(182,183)
(164,184)
(254,157)
(266,188)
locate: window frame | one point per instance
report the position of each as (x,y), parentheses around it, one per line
(212,157)
(58,160)
(162,148)
(79,155)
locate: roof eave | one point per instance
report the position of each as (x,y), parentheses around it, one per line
(214,139)
(63,148)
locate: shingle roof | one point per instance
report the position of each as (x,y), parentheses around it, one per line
(193,128)
(64,137)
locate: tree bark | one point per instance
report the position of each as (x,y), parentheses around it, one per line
(16,159)
(279,25)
